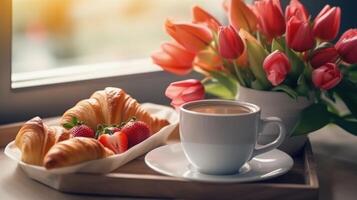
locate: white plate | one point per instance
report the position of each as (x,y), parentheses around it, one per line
(170,160)
(111,163)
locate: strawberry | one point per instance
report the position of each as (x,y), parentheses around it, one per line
(137,131)
(82,131)
(105,129)
(118,142)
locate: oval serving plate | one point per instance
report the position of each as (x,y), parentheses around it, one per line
(111,163)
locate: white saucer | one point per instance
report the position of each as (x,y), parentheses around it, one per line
(170,160)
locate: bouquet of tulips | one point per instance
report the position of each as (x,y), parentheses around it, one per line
(265,48)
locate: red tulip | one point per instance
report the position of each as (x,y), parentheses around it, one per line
(230,45)
(295,8)
(181,92)
(174,58)
(327,23)
(271,18)
(193,37)
(276,66)
(322,56)
(347,46)
(201,16)
(299,35)
(327,76)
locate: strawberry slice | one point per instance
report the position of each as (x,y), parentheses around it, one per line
(118,142)
(137,131)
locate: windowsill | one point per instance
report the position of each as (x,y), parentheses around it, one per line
(80,73)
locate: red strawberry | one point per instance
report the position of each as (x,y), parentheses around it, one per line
(137,131)
(118,142)
(82,131)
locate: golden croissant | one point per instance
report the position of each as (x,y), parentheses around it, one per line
(74,151)
(111,106)
(34,139)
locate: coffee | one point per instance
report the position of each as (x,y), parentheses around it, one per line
(220,109)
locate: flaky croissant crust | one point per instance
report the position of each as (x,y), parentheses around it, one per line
(74,151)
(35,138)
(111,106)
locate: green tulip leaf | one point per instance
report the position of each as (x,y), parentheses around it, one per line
(347,91)
(256,56)
(311,119)
(302,86)
(276,45)
(223,80)
(347,124)
(297,65)
(352,73)
(288,90)
(217,89)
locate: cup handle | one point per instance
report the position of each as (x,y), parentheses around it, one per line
(277,142)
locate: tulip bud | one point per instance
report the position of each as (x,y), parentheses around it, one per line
(230,45)
(193,37)
(327,76)
(271,18)
(327,23)
(276,66)
(299,35)
(201,16)
(322,55)
(174,58)
(241,16)
(295,8)
(347,46)
(181,92)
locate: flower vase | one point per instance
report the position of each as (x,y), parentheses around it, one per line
(280,105)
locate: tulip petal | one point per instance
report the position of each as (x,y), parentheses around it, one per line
(241,16)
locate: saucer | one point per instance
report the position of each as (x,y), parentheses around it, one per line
(170,160)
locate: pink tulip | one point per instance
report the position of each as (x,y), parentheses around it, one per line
(181,92)
(347,46)
(271,18)
(230,45)
(295,8)
(299,35)
(327,76)
(174,58)
(322,56)
(276,66)
(327,23)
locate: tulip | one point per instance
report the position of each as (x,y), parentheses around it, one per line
(208,60)
(230,45)
(295,8)
(299,35)
(201,16)
(276,66)
(174,58)
(347,46)
(271,18)
(323,55)
(181,92)
(241,16)
(327,23)
(193,37)
(327,76)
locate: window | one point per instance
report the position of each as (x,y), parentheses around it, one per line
(56,52)
(63,40)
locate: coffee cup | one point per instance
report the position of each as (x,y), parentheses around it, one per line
(219,136)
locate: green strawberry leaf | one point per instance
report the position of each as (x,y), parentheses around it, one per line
(67,125)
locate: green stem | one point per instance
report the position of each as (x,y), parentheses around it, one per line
(239,74)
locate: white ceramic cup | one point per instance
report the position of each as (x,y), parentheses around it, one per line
(222,143)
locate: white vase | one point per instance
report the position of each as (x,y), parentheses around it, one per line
(280,105)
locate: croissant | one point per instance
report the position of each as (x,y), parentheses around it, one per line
(35,138)
(74,151)
(111,106)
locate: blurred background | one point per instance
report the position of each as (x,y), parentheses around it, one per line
(60,33)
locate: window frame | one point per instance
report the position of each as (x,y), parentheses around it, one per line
(23,100)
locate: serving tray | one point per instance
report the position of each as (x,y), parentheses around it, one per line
(137,180)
